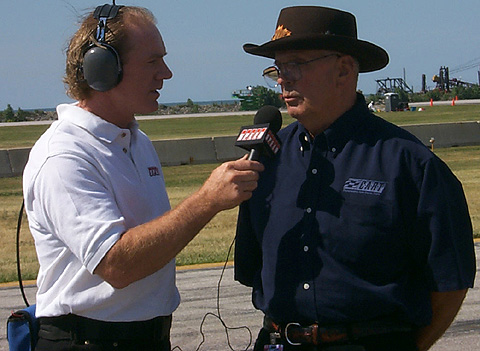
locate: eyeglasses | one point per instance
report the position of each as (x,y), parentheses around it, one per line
(289,70)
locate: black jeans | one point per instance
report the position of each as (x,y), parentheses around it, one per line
(74,333)
(102,345)
(403,341)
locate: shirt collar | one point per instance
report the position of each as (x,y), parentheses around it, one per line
(92,123)
(341,131)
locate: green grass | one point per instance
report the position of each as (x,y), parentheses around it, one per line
(211,245)
(175,128)
(465,163)
(20,136)
(434,114)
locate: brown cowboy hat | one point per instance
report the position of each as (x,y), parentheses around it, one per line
(314,27)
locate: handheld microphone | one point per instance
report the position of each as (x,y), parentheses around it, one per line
(260,138)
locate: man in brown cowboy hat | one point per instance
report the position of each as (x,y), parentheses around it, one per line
(357,237)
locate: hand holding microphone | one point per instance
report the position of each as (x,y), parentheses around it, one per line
(233,182)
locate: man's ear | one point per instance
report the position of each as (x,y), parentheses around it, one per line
(347,69)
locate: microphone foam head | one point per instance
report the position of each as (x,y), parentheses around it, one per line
(269,114)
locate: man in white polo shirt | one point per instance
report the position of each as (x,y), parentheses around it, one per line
(95,196)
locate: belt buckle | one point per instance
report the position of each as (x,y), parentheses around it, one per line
(286,334)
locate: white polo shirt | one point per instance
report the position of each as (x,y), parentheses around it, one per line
(86,182)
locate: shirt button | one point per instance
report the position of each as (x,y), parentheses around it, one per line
(125,150)
(334,149)
(314,171)
(305,248)
(309,210)
(306,286)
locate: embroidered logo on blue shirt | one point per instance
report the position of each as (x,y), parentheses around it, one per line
(364,186)
(153,171)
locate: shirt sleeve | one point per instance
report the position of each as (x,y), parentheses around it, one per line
(444,212)
(77,207)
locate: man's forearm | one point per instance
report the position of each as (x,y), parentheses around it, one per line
(145,249)
(445,306)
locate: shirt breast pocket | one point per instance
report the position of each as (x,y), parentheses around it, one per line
(364,237)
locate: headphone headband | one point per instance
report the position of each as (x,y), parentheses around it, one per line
(104,13)
(102,68)
(108,11)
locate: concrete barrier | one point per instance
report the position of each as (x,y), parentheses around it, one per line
(185,151)
(447,134)
(5,169)
(221,149)
(13,161)
(226,150)
(18,159)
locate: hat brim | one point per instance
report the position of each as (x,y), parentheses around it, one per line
(369,56)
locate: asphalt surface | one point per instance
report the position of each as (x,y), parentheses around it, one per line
(201,308)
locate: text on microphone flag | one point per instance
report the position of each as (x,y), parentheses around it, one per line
(251,134)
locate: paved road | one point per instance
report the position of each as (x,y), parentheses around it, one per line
(198,288)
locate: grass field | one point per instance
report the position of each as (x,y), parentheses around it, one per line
(175,128)
(213,242)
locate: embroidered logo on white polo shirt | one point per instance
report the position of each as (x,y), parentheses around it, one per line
(153,171)
(364,186)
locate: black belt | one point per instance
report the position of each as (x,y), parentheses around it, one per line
(315,334)
(73,327)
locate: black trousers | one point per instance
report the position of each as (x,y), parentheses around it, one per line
(403,341)
(75,333)
(101,345)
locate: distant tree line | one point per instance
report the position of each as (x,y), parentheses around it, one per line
(260,96)
(460,92)
(192,107)
(9,115)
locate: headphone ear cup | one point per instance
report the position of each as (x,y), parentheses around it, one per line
(101,67)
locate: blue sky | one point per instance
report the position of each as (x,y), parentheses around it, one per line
(204,41)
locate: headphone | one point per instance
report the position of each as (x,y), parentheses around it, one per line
(102,68)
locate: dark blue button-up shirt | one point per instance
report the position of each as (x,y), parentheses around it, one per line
(361,222)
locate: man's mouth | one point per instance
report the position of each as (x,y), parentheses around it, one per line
(290,98)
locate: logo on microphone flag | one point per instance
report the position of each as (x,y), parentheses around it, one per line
(258,137)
